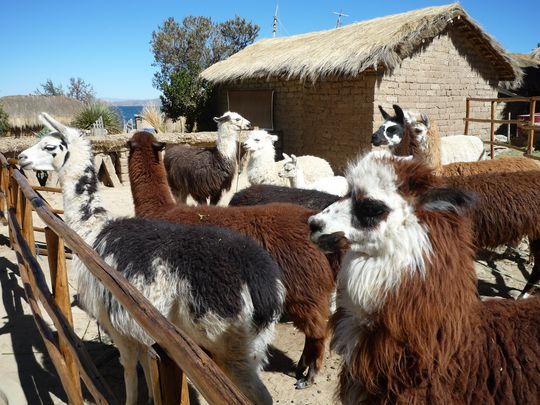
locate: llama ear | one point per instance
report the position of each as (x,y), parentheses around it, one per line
(158,146)
(445,199)
(273,138)
(51,123)
(132,145)
(385,115)
(294,158)
(399,114)
(285,156)
(223,118)
(424,119)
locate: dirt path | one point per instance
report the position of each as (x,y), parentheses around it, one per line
(27,375)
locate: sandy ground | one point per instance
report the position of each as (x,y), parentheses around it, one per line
(27,375)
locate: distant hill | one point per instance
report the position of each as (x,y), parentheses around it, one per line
(115,101)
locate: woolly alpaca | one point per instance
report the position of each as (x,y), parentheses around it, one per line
(438,150)
(281,229)
(292,170)
(266,194)
(263,169)
(223,290)
(410,326)
(508,206)
(206,172)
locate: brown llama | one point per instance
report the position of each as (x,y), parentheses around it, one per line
(507,207)
(410,325)
(281,229)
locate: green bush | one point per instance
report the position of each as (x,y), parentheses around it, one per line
(92,112)
(4,122)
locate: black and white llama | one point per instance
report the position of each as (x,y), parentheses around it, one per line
(219,287)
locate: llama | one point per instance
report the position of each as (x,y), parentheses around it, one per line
(308,275)
(219,287)
(507,208)
(440,150)
(410,326)
(266,194)
(262,168)
(206,172)
(292,170)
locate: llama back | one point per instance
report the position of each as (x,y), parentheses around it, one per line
(461,148)
(505,164)
(182,292)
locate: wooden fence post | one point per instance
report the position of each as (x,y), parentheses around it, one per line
(492,129)
(467,115)
(169,382)
(60,290)
(530,138)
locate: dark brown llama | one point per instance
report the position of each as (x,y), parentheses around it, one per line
(308,275)
(410,326)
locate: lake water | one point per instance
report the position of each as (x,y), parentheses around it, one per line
(129,111)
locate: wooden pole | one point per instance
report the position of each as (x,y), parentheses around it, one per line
(60,290)
(169,382)
(492,129)
(467,115)
(530,139)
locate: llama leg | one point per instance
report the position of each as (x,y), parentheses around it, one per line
(534,278)
(214,199)
(145,363)
(312,358)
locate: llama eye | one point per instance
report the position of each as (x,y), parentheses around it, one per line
(391,130)
(50,147)
(370,212)
(418,130)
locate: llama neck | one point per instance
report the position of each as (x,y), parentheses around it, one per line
(416,327)
(260,164)
(298,181)
(149,187)
(83,209)
(226,142)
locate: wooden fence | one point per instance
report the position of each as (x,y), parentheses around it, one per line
(530,126)
(173,354)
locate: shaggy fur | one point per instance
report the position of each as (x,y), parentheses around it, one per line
(218,286)
(419,334)
(508,206)
(266,194)
(280,228)
(205,172)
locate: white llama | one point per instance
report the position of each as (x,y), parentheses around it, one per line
(263,169)
(292,170)
(219,287)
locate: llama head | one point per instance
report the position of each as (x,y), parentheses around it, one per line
(230,123)
(146,144)
(52,151)
(260,140)
(384,218)
(290,166)
(391,131)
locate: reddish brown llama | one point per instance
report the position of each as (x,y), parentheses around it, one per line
(415,330)
(308,275)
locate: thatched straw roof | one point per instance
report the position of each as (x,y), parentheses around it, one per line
(381,43)
(23,111)
(525,60)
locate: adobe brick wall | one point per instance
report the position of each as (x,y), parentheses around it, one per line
(331,118)
(436,81)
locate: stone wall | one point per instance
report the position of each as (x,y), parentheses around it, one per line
(437,81)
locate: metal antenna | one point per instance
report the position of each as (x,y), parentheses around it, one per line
(340,14)
(274,25)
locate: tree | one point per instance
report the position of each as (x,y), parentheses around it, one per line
(49,89)
(81,90)
(182,52)
(4,121)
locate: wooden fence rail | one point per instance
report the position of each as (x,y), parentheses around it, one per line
(530,127)
(173,349)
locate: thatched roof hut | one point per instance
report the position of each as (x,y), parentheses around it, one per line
(380,43)
(23,111)
(322,89)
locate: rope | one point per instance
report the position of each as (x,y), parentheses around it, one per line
(238,171)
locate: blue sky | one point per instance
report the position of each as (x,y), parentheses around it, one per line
(107,42)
